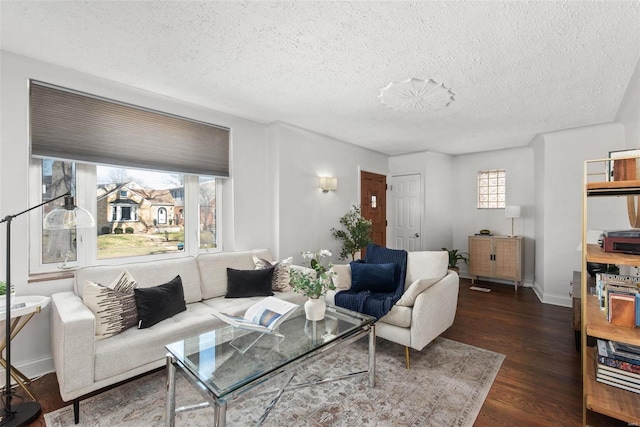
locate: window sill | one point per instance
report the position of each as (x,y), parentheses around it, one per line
(47,277)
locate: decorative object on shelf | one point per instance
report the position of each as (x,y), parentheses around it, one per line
(455,256)
(485,232)
(358,233)
(314,285)
(512,212)
(626,168)
(327,183)
(416,95)
(67,216)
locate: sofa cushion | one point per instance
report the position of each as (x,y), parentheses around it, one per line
(160,302)
(213,267)
(249,283)
(409,296)
(147,274)
(113,306)
(423,264)
(341,276)
(372,277)
(398,316)
(138,347)
(281,272)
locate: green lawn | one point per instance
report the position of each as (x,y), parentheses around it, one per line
(124,245)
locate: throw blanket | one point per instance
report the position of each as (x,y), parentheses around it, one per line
(377,304)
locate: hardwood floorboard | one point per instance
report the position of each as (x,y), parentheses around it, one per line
(539,383)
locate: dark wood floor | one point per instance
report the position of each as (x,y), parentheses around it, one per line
(539,382)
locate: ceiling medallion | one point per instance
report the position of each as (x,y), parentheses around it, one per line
(415,95)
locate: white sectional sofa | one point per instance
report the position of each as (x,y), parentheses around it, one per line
(84,364)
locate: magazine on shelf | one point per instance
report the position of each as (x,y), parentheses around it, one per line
(621,354)
(606,357)
(264,316)
(620,384)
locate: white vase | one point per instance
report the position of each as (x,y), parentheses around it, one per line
(314,308)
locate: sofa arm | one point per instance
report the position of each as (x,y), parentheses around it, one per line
(72,342)
(434,310)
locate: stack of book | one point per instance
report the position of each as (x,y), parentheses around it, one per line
(618,365)
(619,296)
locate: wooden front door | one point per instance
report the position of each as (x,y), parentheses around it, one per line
(373,204)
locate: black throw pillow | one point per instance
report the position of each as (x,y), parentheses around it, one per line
(158,303)
(372,277)
(249,283)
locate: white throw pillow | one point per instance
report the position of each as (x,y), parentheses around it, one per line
(281,272)
(342,276)
(114,306)
(415,289)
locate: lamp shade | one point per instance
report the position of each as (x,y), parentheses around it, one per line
(68,216)
(512,211)
(327,183)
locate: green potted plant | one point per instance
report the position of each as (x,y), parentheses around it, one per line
(357,233)
(455,256)
(3,288)
(3,292)
(314,285)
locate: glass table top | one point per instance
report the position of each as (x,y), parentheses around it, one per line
(227,359)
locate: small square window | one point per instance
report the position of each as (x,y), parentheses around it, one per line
(491,189)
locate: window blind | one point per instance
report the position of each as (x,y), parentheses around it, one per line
(71,125)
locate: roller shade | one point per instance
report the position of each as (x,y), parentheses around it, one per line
(70,125)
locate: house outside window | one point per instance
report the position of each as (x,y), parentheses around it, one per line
(139,218)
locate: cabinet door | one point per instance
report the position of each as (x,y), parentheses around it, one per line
(507,259)
(480,254)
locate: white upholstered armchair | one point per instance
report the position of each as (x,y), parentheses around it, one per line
(426,309)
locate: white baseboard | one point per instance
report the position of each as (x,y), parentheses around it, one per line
(33,369)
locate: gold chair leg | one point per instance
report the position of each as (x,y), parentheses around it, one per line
(406,356)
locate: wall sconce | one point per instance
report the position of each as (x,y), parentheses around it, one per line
(512,212)
(327,183)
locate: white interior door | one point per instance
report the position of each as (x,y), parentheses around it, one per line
(406,202)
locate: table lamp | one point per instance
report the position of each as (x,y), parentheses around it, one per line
(512,212)
(67,216)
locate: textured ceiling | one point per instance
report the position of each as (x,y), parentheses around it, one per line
(516,68)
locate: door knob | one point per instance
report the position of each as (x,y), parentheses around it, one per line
(416,235)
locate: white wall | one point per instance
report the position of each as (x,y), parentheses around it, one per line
(435,171)
(559,162)
(305,215)
(629,111)
(468,219)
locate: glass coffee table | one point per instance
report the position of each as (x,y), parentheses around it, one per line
(228,362)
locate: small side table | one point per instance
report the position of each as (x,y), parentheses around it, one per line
(20,315)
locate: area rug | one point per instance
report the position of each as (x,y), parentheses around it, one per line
(446,386)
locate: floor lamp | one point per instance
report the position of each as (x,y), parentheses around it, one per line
(67,216)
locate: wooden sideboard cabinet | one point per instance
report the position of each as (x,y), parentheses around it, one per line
(496,257)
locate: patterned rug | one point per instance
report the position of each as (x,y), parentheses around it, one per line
(446,386)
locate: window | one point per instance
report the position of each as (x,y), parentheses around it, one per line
(135,210)
(491,189)
(207,212)
(57,246)
(114,154)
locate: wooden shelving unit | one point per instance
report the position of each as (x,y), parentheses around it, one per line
(598,397)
